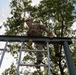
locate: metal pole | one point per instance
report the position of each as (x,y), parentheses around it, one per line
(3,54)
(17,72)
(49,72)
(69,60)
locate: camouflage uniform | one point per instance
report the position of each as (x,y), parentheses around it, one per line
(37,30)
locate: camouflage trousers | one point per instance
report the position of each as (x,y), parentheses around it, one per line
(40,46)
(39,54)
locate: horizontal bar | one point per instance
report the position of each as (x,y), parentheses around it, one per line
(1,49)
(33,65)
(35,39)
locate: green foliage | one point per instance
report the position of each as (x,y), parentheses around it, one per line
(10,71)
(57,10)
(15,24)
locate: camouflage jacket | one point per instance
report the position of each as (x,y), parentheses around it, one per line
(37,30)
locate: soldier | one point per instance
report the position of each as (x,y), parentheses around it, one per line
(37,30)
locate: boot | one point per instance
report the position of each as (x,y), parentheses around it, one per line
(57,55)
(38,63)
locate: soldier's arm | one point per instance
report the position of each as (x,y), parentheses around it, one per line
(46,30)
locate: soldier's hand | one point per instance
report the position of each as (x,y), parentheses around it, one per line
(30,41)
(50,36)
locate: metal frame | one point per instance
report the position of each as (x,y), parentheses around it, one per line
(17,72)
(48,56)
(64,41)
(49,69)
(3,53)
(69,61)
(35,39)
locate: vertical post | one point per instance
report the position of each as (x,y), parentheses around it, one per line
(69,61)
(17,72)
(49,72)
(3,54)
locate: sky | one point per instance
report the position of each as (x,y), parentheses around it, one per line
(4,13)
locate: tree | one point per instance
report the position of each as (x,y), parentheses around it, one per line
(59,11)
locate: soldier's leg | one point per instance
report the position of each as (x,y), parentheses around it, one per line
(39,55)
(57,50)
